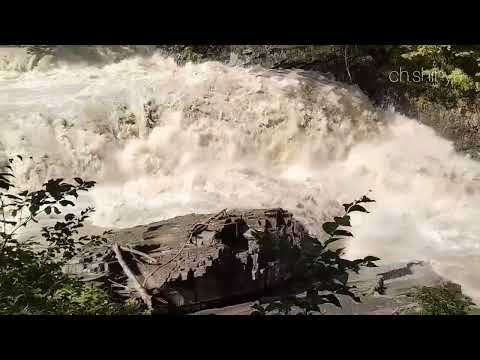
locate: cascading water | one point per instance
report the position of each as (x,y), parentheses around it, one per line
(163,140)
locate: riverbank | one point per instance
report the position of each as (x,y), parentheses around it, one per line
(372,69)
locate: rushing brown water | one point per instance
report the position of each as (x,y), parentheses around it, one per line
(164,140)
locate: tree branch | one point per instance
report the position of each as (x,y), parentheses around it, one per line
(346,63)
(147,299)
(150,259)
(25,222)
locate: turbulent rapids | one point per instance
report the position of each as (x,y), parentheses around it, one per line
(163,140)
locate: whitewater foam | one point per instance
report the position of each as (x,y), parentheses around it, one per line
(163,140)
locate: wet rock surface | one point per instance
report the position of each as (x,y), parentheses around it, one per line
(213,264)
(401,280)
(194,260)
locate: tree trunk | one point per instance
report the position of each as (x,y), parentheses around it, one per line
(147,299)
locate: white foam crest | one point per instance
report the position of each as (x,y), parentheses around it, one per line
(222,136)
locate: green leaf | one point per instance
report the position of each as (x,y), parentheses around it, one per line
(330,227)
(357,208)
(342,233)
(332,299)
(69,217)
(89,184)
(66,202)
(331,240)
(5,185)
(371,258)
(346,206)
(343,221)
(13,197)
(259,308)
(365,199)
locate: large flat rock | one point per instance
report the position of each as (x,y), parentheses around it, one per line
(401,280)
(213,266)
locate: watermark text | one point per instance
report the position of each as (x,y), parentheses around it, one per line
(417,76)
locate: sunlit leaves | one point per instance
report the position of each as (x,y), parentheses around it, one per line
(31,277)
(324,269)
(442,300)
(455,67)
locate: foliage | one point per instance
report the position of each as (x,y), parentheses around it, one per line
(323,271)
(458,66)
(442,300)
(31,277)
(446,73)
(91,300)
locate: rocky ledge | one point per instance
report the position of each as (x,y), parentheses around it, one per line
(216,264)
(401,280)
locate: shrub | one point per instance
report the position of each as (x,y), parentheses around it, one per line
(31,277)
(442,300)
(322,270)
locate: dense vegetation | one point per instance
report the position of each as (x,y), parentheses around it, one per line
(31,277)
(441,73)
(322,271)
(32,280)
(443,300)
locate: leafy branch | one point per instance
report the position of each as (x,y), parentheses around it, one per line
(323,270)
(32,280)
(54,195)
